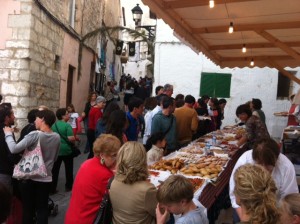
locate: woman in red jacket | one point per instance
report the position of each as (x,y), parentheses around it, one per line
(91,181)
(95,114)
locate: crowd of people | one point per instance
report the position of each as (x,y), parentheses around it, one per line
(114,151)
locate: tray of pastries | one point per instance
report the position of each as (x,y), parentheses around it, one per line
(172,165)
(194,149)
(188,157)
(210,171)
(222,161)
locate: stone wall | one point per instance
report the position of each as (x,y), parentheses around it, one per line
(30,64)
(28,75)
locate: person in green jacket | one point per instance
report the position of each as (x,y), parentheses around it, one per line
(164,121)
(65,131)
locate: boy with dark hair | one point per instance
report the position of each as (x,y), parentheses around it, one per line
(136,108)
(175,195)
(159,90)
(31,116)
(205,98)
(255,128)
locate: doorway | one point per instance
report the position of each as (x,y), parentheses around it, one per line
(70,85)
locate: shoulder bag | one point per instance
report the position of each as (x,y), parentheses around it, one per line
(31,164)
(105,212)
(75,151)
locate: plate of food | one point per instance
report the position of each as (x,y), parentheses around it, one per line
(192,149)
(204,118)
(281,113)
(189,157)
(157,177)
(229,127)
(201,170)
(171,165)
(219,152)
(197,183)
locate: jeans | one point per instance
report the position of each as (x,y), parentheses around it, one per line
(86,122)
(68,161)
(6,180)
(91,138)
(34,201)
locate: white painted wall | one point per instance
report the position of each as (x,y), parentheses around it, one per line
(177,64)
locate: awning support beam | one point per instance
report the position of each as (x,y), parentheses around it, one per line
(283,71)
(251,45)
(248,27)
(279,44)
(193,3)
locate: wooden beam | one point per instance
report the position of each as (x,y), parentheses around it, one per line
(247,27)
(250,46)
(257,58)
(181,28)
(273,64)
(193,3)
(279,44)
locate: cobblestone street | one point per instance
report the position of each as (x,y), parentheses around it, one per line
(62,198)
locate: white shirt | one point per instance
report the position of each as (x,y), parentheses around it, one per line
(201,209)
(155,111)
(154,154)
(148,122)
(72,120)
(283,174)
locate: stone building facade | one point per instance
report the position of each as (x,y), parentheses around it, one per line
(40,47)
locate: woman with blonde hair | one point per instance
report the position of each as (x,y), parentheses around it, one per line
(133,198)
(290,209)
(91,180)
(255,192)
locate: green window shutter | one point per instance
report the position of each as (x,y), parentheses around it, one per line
(215,84)
(207,85)
(222,85)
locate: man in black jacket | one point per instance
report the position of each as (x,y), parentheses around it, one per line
(7,118)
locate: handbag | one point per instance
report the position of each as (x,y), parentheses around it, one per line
(105,212)
(31,164)
(78,125)
(75,151)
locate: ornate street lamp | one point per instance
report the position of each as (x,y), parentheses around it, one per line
(137,13)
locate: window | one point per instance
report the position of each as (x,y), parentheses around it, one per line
(284,85)
(215,84)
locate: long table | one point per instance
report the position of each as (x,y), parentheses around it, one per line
(214,195)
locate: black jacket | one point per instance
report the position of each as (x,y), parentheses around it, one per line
(6,158)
